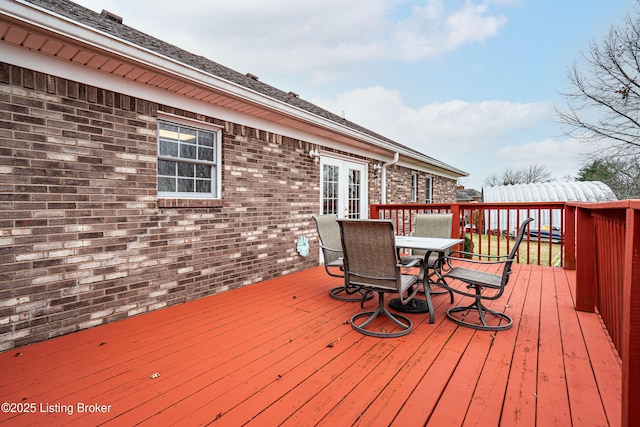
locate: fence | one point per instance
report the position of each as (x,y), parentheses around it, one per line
(488,228)
(606,255)
(601,241)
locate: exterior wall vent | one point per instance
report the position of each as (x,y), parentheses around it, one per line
(111,16)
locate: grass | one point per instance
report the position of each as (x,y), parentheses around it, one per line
(530,251)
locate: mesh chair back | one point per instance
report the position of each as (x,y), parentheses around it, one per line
(329,233)
(432,225)
(370,257)
(514,250)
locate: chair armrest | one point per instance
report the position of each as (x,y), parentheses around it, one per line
(326,248)
(477,255)
(472,261)
(413,263)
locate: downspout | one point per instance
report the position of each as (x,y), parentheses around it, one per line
(383,184)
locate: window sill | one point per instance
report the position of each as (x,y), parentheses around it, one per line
(190,203)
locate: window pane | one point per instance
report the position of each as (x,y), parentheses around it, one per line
(205,154)
(330,189)
(188,135)
(205,139)
(203,186)
(187,151)
(185,169)
(203,171)
(166,184)
(168,148)
(168,131)
(166,168)
(354,193)
(185,185)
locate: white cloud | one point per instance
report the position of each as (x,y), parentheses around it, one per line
(480,138)
(560,157)
(287,41)
(467,125)
(321,39)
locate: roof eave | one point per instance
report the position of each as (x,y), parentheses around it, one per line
(127,51)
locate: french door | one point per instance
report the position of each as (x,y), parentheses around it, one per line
(343,188)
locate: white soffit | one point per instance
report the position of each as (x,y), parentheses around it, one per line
(76,43)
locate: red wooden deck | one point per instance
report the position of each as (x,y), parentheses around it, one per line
(282,352)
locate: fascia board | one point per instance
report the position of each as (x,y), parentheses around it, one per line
(90,36)
(73,30)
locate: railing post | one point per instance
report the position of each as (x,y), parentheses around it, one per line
(569,237)
(455,223)
(630,352)
(585,261)
(374,211)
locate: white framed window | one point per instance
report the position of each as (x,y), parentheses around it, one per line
(414,187)
(188,160)
(429,190)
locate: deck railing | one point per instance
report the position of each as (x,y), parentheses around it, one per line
(601,241)
(606,256)
(488,228)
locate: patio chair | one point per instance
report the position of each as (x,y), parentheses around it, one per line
(479,281)
(371,263)
(430,225)
(331,246)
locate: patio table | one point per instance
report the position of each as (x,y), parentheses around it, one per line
(430,245)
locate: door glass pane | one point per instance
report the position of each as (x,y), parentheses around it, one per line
(355,187)
(330,190)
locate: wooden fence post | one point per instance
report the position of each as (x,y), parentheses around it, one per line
(585,261)
(569,237)
(455,223)
(374,212)
(630,352)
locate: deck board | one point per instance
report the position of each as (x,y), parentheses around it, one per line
(487,402)
(552,397)
(281,352)
(519,407)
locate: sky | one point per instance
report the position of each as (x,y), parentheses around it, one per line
(473,83)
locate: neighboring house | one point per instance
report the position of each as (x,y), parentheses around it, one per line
(468,195)
(136,175)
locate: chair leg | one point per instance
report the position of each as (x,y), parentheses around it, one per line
(433,278)
(436,283)
(427,297)
(482,311)
(358,294)
(401,321)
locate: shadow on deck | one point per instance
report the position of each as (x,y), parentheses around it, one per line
(282,352)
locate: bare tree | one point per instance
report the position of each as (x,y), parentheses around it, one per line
(604,104)
(535,173)
(527,175)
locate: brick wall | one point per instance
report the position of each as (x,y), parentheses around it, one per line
(399,187)
(83,239)
(444,189)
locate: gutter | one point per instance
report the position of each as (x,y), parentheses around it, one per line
(62,26)
(383,184)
